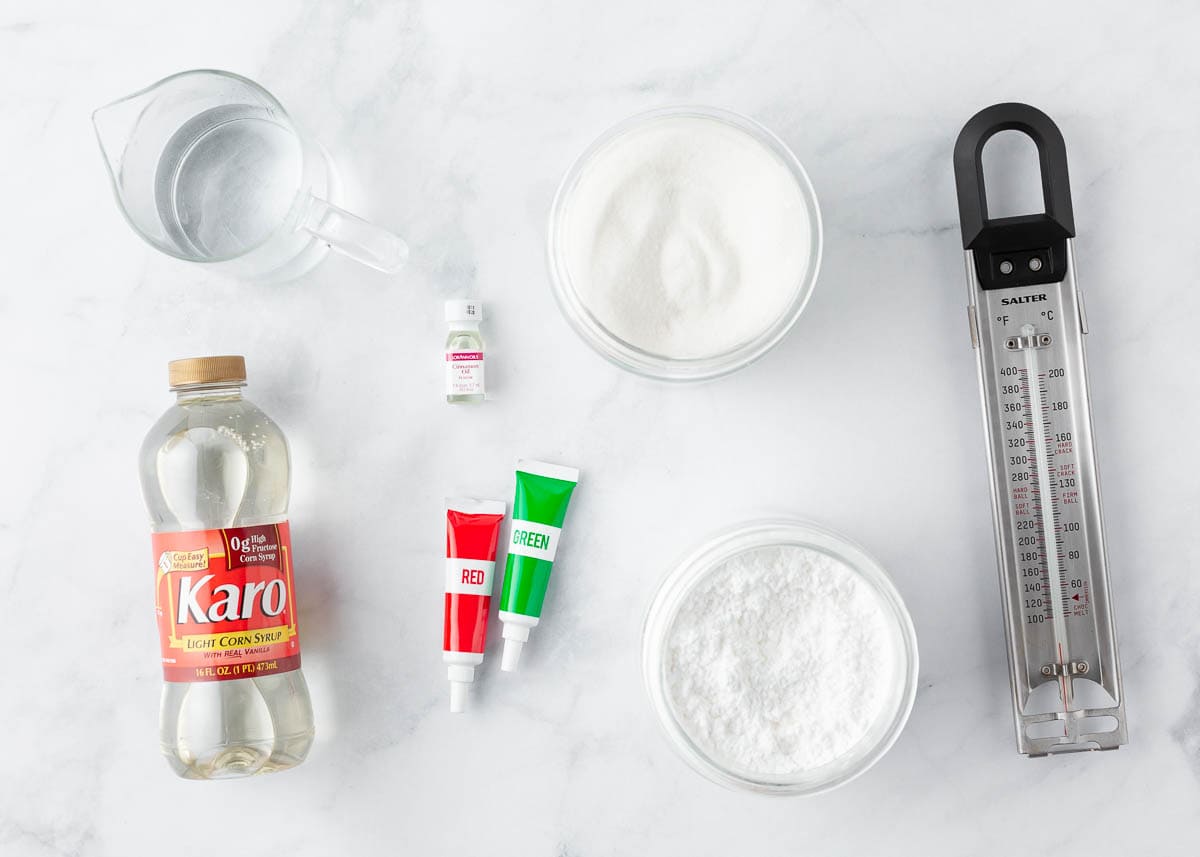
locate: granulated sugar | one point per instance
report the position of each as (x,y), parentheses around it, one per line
(780,660)
(687,237)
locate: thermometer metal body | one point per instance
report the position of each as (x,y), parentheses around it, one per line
(1027,326)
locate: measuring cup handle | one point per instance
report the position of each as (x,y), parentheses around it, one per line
(1044,234)
(351,235)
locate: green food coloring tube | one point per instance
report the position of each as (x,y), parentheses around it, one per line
(540,505)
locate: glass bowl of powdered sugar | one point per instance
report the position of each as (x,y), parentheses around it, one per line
(684,243)
(780,659)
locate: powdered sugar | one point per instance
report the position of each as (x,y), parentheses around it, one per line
(781,660)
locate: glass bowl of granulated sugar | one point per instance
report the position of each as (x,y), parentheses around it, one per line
(684,243)
(780,659)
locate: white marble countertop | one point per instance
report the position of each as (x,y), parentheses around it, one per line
(453,123)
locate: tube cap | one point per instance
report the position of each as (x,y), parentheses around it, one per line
(515,637)
(471,310)
(512,655)
(461,678)
(458,696)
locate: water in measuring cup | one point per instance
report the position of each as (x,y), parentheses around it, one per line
(216,460)
(226,180)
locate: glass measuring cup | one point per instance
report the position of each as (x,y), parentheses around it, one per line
(208,167)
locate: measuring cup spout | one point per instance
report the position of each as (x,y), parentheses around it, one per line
(115,126)
(352,236)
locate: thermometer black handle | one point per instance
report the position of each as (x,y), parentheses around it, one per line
(1030,248)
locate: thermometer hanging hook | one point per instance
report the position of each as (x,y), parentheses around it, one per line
(1029,248)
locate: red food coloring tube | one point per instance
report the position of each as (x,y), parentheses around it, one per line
(472,533)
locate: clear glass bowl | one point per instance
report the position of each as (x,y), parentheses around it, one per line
(643,362)
(684,576)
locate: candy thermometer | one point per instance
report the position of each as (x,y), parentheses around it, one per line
(1027,327)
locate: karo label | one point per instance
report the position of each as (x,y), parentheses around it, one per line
(226,604)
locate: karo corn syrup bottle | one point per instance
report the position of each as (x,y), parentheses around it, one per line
(215,476)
